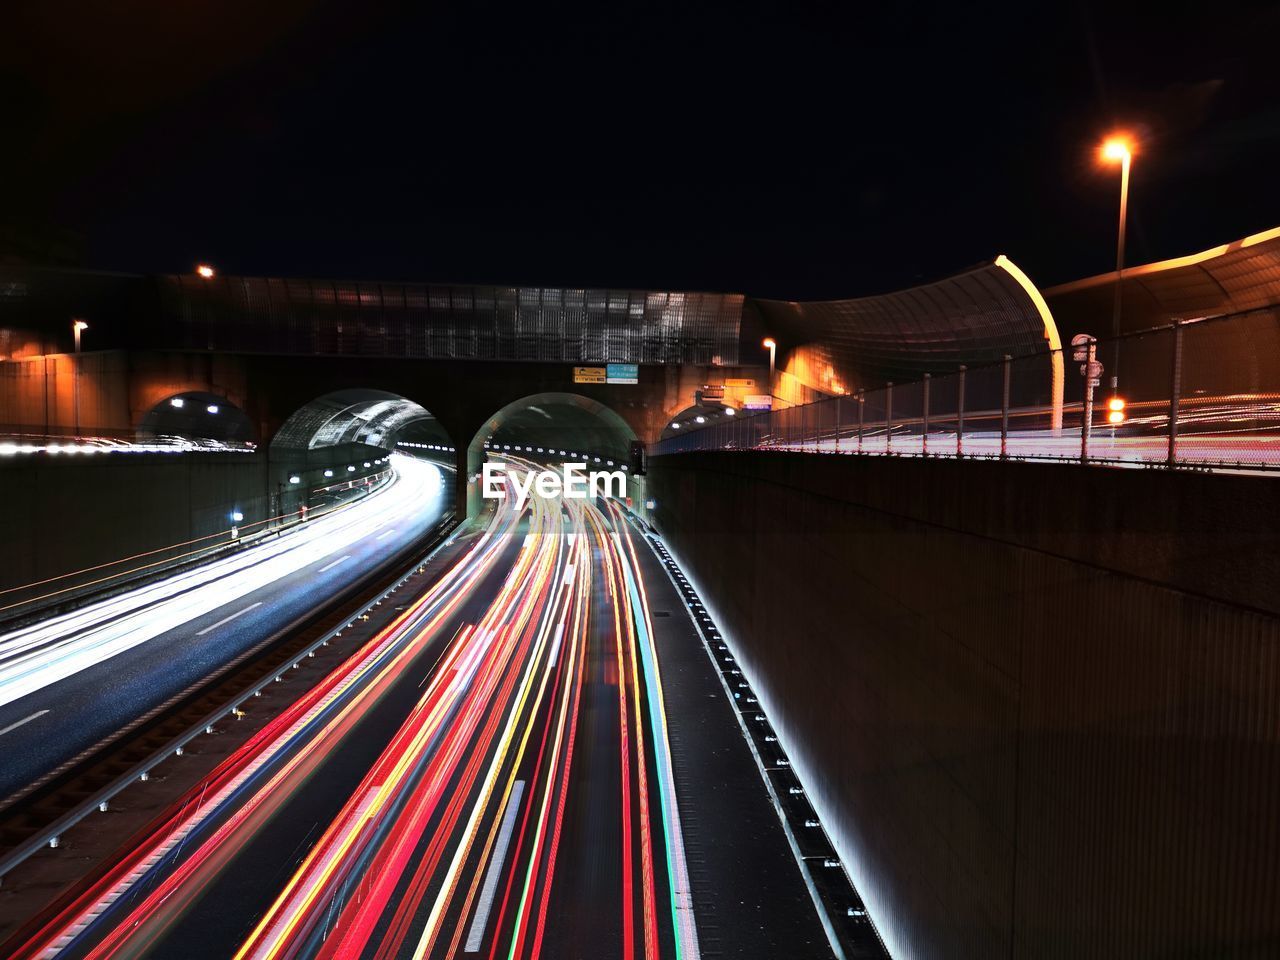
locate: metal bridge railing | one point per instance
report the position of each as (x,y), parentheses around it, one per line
(1201,393)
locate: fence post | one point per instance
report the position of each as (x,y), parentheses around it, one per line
(1175,393)
(924,433)
(960,413)
(839,422)
(888,417)
(1086,420)
(1004,409)
(862,409)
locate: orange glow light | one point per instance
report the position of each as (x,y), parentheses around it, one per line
(1117,149)
(1115,404)
(1115,416)
(205,271)
(769,343)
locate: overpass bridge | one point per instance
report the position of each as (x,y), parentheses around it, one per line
(1003,697)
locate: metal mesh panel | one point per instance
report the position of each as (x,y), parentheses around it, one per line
(438,322)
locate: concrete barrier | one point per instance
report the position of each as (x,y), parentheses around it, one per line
(1036,705)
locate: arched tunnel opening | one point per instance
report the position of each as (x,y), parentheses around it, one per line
(553,428)
(339,446)
(696,416)
(203,419)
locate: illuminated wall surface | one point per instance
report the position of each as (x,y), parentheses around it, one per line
(1035,704)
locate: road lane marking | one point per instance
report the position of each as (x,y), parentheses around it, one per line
(476,935)
(555,647)
(330,566)
(14,726)
(383,536)
(240,613)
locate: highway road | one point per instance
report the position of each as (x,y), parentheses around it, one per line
(489,776)
(70,681)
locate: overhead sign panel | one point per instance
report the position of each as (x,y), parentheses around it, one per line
(739,382)
(623,373)
(757,401)
(590,375)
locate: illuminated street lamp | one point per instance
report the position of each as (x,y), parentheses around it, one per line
(77,326)
(771,345)
(206,271)
(1118,149)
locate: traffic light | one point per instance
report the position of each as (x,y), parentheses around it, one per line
(1115,410)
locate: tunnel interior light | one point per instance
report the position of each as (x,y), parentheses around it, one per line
(675,426)
(295,479)
(212,408)
(367,464)
(328,473)
(730,412)
(237,516)
(206,271)
(351,469)
(699,419)
(177,403)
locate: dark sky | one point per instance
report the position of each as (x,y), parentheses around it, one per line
(794,150)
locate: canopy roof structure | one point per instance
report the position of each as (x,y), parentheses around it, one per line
(1232,278)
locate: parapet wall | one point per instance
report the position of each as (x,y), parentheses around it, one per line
(1035,704)
(72,512)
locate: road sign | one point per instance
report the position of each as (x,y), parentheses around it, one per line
(741,383)
(1080,347)
(712,391)
(623,373)
(757,401)
(590,375)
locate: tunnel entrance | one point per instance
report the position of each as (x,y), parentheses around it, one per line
(697,416)
(205,419)
(339,444)
(551,428)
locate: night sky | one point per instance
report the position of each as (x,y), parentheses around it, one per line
(794,150)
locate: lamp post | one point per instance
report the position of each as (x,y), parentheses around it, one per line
(1118,149)
(772,346)
(77,326)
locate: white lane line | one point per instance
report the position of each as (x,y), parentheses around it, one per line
(14,726)
(555,647)
(476,935)
(383,536)
(330,566)
(238,613)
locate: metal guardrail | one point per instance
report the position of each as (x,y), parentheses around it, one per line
(1201,394)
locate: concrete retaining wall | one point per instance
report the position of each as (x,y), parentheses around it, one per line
(71,512)
(1037,705)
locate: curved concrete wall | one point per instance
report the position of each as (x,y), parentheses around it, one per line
(1035,704)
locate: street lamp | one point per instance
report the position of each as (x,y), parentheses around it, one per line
(771,345)
(204,270)
(77,326)
(1118,149)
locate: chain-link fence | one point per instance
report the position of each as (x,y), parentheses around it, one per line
(1199,393)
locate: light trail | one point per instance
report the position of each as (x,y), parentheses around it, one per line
(53,649)
(454,838)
